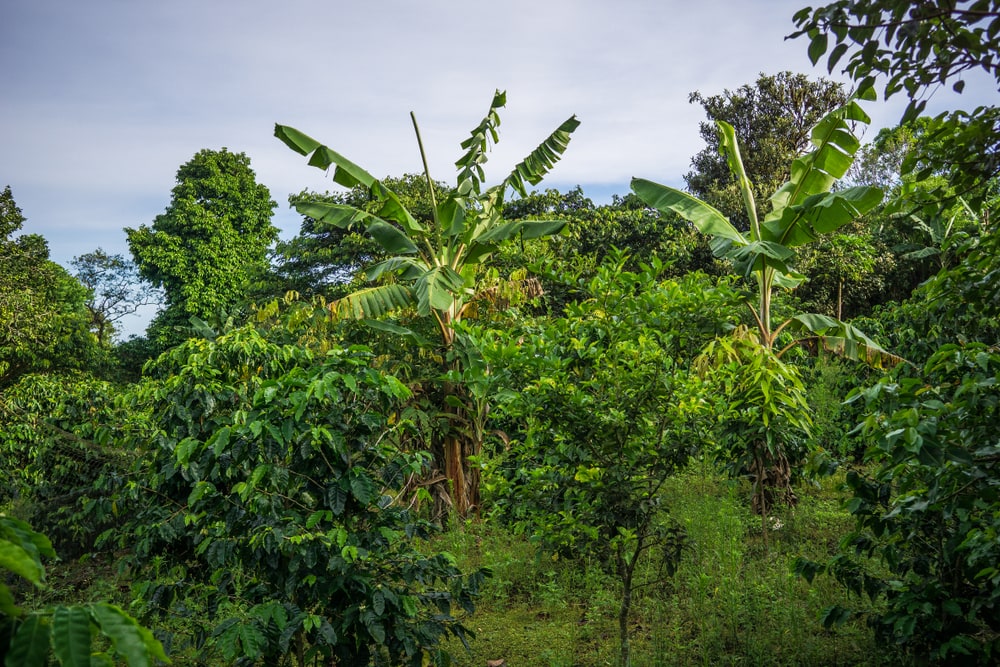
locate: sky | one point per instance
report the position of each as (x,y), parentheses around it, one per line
(103,100)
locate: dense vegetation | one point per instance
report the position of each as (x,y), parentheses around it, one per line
(750,422)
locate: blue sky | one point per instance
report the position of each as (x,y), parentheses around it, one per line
(103,100)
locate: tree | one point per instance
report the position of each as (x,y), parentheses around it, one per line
(802,210)
(211,241)
(772,119)
(602,418)
(43,322)
(273,480)
(115,290)
(926,508)
(435,268)
(920,46)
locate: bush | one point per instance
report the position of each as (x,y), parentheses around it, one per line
(275,492)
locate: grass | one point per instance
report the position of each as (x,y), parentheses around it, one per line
(733,601)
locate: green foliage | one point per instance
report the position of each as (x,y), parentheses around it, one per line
(603,420)
(929,510)
(435,267)
(60,441)
(277,482)
(329,260)
(28,638)
(115,290)
(803,209)
(762,417)
(772,119)
(211,241)
(43,322)
(916,47)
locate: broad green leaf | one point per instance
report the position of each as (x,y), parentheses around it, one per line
(706,218)
(538,163)
(346,173)
(18,560)
(130,640)
(252,640)
(7,606)
(363,488)
(405,332)
(219,440)
(30,646)
(451,216)
(392,208)
(338,215)
(391,238)
(71,636)
(731,147)
(374,302)
(537,229)
(844,340)
(409,267)
(438,289)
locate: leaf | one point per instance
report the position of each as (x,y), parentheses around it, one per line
(408,267)
(373,302)
(30,646)
(438,289)
(339,215)
(706,218)
(363,488)
(219,440)
(18,560)
(7,606)
(408,334)
(730,146)
(130,640)
(347,173)
(251,639)
(834,616)
(470,164)
(817,47)
(844,340)
(71,636)
(391,238)
(538,163)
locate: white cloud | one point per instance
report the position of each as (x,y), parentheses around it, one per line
(103,100)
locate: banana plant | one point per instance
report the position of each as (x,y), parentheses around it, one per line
(434,266)
(802,209)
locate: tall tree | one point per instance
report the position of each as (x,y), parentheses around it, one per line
(43,324)
(211,241)
(772,119)
(116,290)
(919,46)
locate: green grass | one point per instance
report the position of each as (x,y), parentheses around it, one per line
(733,601)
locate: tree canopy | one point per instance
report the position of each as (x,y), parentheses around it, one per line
(916,48)
(43,323)
(772,119)
(211,241)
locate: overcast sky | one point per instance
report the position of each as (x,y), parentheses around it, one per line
(102,100)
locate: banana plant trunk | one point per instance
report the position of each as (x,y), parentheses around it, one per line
(460,443)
